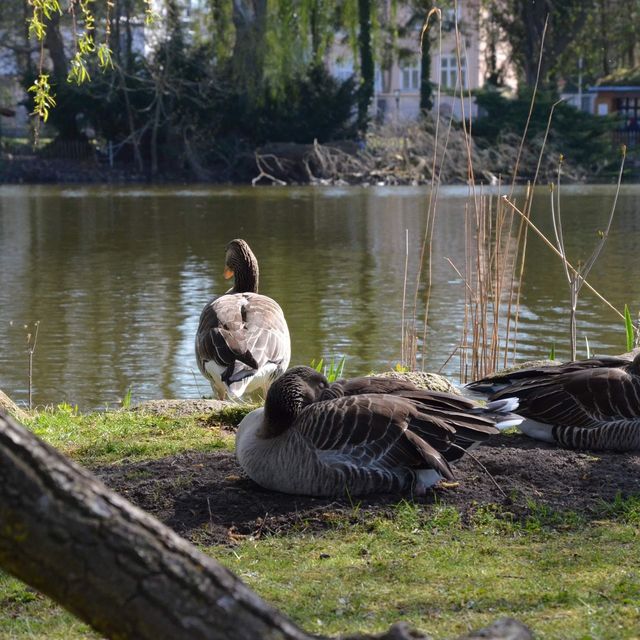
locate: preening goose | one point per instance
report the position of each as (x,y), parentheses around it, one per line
(367,435)
(588,404)
(242,343)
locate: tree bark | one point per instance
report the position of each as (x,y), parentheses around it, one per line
(120,570)
(367,68)
(250,21)
(9,406)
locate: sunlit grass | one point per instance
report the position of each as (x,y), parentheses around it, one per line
(581,582)
(102,438)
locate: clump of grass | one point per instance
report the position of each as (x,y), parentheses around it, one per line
(624,509)
(126,400)
(332,370)
(231,415)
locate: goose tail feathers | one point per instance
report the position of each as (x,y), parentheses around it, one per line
(502,412)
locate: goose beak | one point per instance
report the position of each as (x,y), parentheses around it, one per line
(227,273)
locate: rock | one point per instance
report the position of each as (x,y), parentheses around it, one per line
(178,408)
(502,629)
(423,380)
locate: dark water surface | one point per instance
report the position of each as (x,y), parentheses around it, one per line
(117,278)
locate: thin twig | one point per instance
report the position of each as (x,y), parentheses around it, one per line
(553,248)
(467,452)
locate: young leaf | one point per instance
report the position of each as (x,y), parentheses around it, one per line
(628,325)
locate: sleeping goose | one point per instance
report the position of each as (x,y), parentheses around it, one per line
(363,436)
(242,343)
(588,404)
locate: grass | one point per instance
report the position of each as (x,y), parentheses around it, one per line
(564,575)
(105,438)
(580,582)
(24,613)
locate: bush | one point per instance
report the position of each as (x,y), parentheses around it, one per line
(310,106)
(580,136)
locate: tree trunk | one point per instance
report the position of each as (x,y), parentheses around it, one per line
(426,90)
(250,21)
(604,37)
(367,69)
(119,569)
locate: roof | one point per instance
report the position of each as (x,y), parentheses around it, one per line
(615,88)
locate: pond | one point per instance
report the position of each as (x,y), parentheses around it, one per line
(117,276)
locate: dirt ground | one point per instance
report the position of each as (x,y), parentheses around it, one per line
(207,498)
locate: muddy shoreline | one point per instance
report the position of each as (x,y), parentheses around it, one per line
(206,497)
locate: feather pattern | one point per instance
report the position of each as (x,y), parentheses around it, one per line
(590,404)
(242,342)
(360,436)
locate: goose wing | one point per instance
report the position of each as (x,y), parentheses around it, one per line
(581,398)
(242,332)
(374,430)
(366,384)
(470,422)
(497,382)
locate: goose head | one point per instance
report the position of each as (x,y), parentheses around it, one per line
(289,395)
(241,264)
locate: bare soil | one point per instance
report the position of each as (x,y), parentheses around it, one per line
(207,498)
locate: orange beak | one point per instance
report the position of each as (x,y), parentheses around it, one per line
(227,273)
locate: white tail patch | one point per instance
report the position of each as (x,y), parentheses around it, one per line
(538,430)
(506,405)
(511,421)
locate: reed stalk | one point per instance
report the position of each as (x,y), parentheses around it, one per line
(32,342)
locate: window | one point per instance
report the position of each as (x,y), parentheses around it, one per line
(410,76)
(629,110)
(449,71)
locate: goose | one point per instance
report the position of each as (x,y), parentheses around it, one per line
(242,342)
(360,436)
(588,404)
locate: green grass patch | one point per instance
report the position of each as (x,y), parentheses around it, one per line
(231,415)
(112,436)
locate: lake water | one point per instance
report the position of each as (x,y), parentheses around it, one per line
(117,276)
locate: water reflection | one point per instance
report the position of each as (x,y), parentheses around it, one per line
(117,278)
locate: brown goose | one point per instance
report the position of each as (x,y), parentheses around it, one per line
(366,435)
(242,343)
(588,404)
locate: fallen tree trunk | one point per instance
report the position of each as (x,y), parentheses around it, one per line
(8,405)
(114,566)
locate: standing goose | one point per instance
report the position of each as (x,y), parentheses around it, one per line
(360,436)
(588,404)
(242,342)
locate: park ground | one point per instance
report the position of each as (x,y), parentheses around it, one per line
(556,546)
